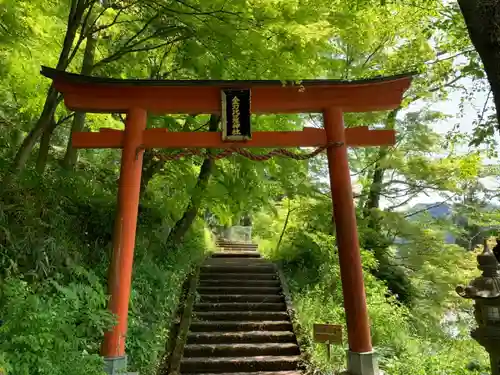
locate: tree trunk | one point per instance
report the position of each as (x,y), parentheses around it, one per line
(482,18)
(285,225)
(71,156)
(150,168)
(184,223)
(373,199)
(51,102)
(374,240)
(43,152)
(30,140)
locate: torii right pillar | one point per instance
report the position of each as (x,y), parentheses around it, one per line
(360,357)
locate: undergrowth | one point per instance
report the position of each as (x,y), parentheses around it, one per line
(55,243)
(310,264)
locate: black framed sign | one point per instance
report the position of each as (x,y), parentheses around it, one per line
(236,115)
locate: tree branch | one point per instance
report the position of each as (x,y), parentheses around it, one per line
(464,52)
(123,51)
(153,47)
(85,21)
(375,51)
(481,117)
(7,31)
(155,70)
(402,203)
(144,27)
(64,119)
(83,33)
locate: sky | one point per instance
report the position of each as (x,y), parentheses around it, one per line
(451,107)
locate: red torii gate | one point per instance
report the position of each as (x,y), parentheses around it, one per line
(138,97)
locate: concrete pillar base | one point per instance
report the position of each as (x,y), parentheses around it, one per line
(117,366)
(362,363)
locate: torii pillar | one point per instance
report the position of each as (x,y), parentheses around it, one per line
(360,357)
(138,97)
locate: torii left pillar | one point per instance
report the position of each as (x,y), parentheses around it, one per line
(120,270)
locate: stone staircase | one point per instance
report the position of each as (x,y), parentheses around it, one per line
(240,322)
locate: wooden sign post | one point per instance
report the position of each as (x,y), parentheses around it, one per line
(329,334)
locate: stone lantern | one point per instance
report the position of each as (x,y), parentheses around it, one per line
(485,291)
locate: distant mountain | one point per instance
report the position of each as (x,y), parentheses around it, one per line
(436,211)
(444,209)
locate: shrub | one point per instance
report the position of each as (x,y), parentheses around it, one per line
(53,329)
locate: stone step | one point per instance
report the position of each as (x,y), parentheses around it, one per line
(238,262)
(249,337)
(255,316)
(235,282)
(258,269)
(223,261)
(236,249)
(266,298)
(240,306)
(238,290)
(228,326)
(246,244)
(240,350)
(239,364)
(236,254)
(254,373)
(237,276)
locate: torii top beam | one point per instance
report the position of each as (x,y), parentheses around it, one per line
(108,95)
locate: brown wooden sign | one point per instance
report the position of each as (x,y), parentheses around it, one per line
(327,333)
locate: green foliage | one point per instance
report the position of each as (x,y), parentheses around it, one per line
(154,300)
(405,338)
(53,303)
(52,328)
(56,228)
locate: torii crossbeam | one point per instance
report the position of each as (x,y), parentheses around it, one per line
(137,98)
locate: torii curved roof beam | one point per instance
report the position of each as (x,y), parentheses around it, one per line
(109,95)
